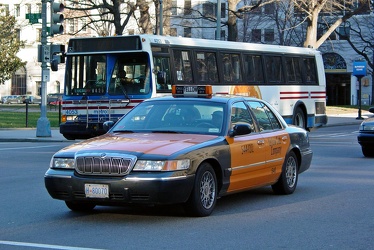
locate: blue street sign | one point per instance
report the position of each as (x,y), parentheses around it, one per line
(359,68)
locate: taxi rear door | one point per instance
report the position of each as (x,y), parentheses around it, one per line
(276,139)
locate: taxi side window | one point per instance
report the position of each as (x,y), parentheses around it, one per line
(264,116)
(240,114)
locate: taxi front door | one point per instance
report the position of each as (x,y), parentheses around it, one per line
(248,153)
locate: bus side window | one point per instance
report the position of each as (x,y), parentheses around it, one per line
(162,73)
(231,67)
(273,69)
(253,68)
(182,65)
(310,70)
(293,70)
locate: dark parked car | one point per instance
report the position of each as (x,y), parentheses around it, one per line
(366,136)
(31,99)
(185,150)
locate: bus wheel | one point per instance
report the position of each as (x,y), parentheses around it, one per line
(299,118)
(69,137)
(204,193)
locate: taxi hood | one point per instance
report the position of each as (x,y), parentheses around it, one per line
(140,143)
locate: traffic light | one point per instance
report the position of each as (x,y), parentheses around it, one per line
(57,55)
(56,18)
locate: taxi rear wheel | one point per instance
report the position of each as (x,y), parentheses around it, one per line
(288,180)
(79,206)
(204,194)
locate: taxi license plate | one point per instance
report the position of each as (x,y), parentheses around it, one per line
(96,190)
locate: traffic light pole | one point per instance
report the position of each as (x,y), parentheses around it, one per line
(43,128)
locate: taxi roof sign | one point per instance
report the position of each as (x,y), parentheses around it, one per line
(204,91)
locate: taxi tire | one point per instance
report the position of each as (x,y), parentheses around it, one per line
(287,182)
(79,206)
(203,197)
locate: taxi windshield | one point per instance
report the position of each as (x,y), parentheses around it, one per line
(195,117)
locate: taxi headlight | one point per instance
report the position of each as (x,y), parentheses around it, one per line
(143,165)
(367,127)
(64,163)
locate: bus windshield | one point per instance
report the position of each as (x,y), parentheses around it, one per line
(113,74)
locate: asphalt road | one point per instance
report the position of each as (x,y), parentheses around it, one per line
(331,208)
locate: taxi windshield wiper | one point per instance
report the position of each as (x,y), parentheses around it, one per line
(167,131)
(123,131)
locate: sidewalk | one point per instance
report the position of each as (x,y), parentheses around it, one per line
(335,118)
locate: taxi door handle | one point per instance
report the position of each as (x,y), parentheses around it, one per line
(284,138)
(260,142)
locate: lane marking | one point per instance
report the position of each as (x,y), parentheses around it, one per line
(27,244)
(2,149)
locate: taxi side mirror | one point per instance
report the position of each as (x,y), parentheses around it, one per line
(108,125)
(371,110)
(240,129)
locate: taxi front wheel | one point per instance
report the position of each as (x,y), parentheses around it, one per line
(288,180)
(204,194)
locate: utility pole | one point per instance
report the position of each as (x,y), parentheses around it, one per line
(49,53)
(218,29)
(43,127)
(161,18)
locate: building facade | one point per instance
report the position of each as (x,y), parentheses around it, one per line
(196,18)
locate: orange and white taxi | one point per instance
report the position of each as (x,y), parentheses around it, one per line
(190,148)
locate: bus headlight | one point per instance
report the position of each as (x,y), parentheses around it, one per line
(173,165)
(62,163)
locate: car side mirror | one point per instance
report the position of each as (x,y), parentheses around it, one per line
(371,110)
(240,129)
(108,125)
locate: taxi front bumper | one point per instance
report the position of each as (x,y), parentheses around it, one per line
(138,188)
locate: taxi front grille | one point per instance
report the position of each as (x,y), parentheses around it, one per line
(104,164)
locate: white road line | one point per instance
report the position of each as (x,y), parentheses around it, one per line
(27,244)
(47,146)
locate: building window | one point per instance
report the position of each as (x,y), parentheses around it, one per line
(19,82)
(17,10)
(223,10)
(187,32)
(174,7)
(256,36)
(71,25)
(208,9)
(344,33)
(84,24)
(173,32)
(269,35)
(269,9)
(28,8)
(187,7)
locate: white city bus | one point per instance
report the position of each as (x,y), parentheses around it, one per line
(292,79)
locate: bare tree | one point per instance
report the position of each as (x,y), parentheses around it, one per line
(103,16)
(313,8)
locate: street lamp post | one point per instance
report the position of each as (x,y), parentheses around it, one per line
(43,127)
(161,18)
